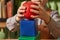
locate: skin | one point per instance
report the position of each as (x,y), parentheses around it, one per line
(42,14)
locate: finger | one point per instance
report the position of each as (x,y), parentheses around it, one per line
(22,8)
(34,16)
(42,9)
(35,0)
(34,6)
(20,15)
(23,3)
(21,11)
(38,3)
(34,11)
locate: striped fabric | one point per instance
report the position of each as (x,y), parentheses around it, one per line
(55,21)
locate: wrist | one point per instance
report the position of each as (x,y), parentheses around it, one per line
(47,19)
(17,19)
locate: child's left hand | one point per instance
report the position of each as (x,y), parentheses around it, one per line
(42,13)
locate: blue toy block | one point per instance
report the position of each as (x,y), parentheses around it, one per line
(28,28)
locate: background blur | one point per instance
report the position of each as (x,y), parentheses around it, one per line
(8,8)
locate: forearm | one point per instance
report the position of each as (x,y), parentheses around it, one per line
(54,28)
(54,24)
(11,23)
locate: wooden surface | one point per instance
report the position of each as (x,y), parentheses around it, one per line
(8,39)
(2,24)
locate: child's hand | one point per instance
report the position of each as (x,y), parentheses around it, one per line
(20,11)
(42,13)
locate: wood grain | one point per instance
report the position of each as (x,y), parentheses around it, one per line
(3,9)
(9,9)
(2,24)
(0,9)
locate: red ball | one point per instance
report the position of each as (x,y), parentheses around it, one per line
(27,13)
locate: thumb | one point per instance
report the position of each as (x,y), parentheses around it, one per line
(23,3)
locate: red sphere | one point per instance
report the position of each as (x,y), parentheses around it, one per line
(27,13)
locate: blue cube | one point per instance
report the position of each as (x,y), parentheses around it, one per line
(28,28)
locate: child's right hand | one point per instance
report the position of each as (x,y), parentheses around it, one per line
(20,11)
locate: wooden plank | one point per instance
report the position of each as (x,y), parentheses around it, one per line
(8,39)
(3,9)
(2,24)
(9,9)
(0,9)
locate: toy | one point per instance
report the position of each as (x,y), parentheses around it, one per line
(28,14)
(27,38)
(28,26)
(28,29)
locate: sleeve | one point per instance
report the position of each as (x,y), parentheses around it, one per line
(54,24)
(12,24)
(39,21)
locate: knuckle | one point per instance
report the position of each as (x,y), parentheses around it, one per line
(23,2)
